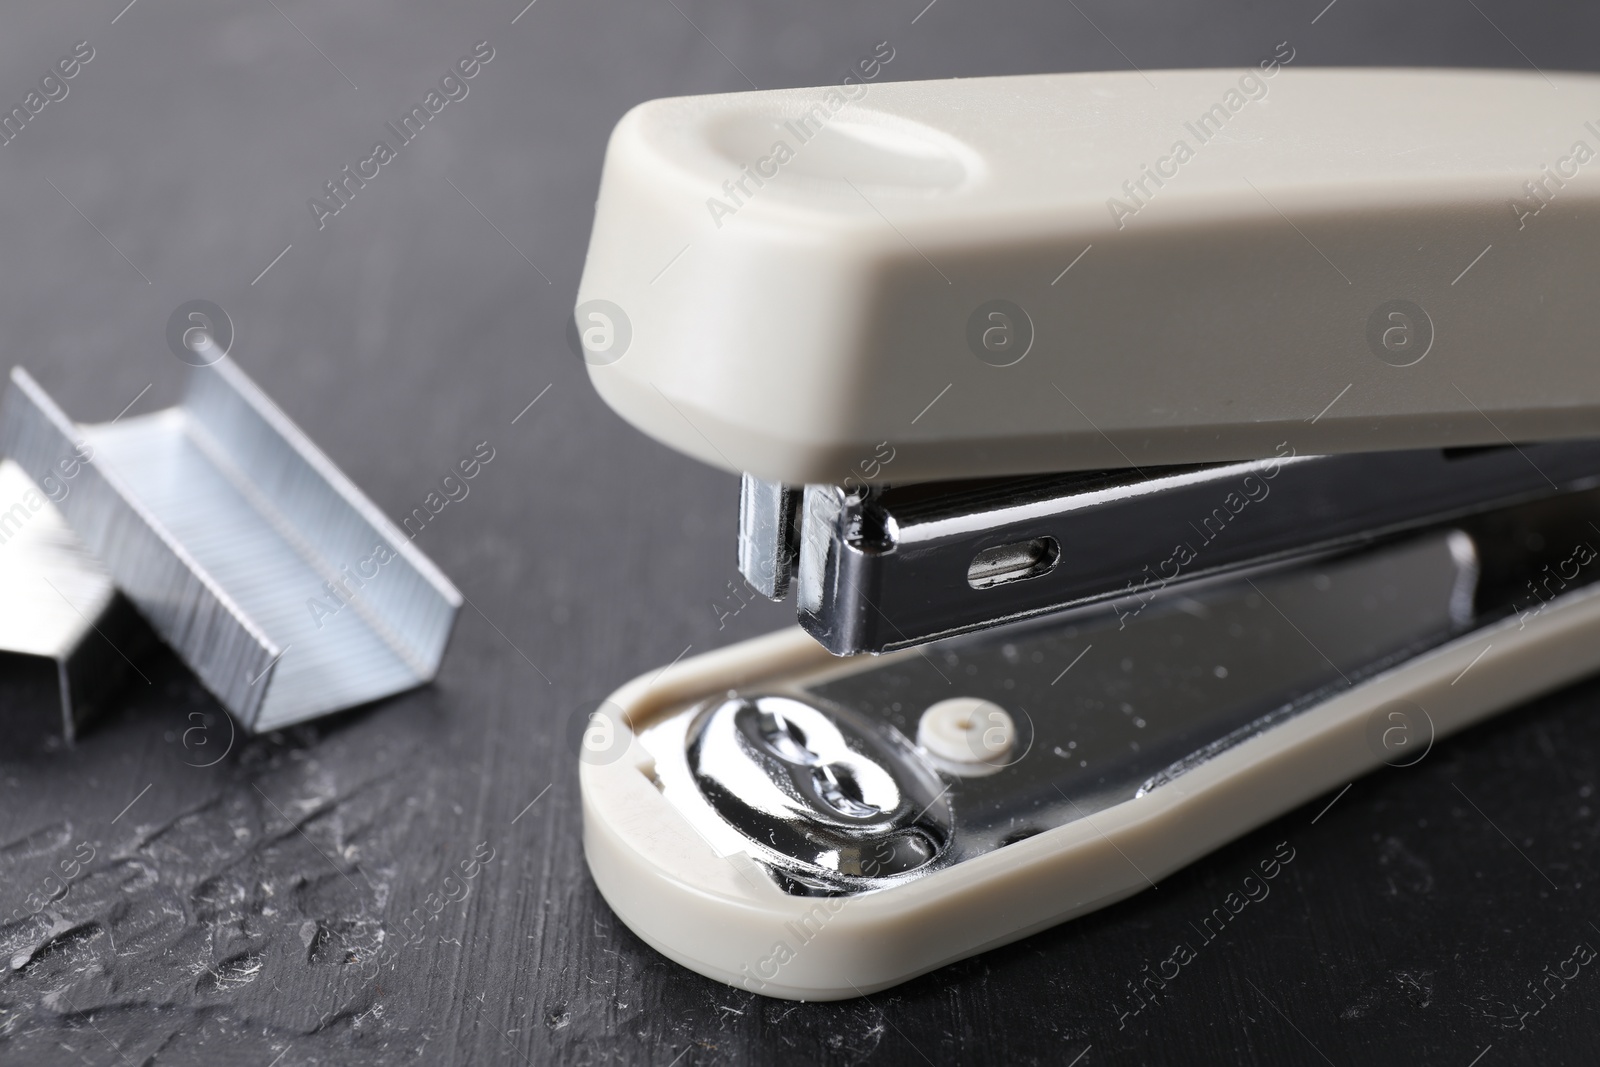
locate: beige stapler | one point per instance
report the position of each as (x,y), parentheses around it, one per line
(1177,447)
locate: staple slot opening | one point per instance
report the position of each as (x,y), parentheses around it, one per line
(1015,562)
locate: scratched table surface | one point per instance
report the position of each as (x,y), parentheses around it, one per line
(405,883)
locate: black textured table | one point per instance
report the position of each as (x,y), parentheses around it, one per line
(227,899)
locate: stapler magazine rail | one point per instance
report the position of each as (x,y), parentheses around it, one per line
(891,567)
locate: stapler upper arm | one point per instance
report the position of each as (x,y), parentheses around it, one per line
(1082,271)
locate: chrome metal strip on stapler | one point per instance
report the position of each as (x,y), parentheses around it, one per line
(269,573)
(891,567)
(1173,470)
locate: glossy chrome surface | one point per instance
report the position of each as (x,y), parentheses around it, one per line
(831,798)
(1104,704)
(887,568)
